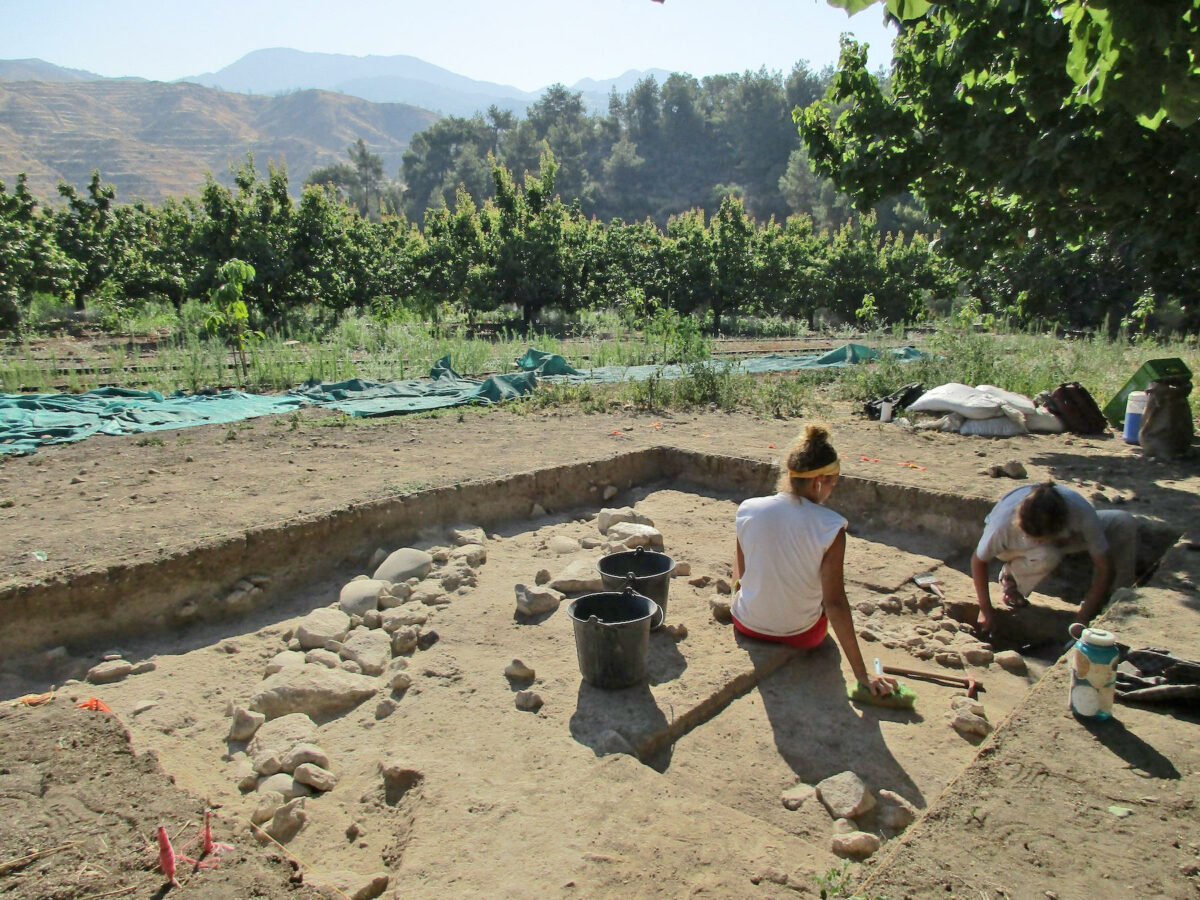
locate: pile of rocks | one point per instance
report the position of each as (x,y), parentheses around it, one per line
(848,799)
(337,657)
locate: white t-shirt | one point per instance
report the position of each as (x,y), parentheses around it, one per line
(1003,538)
(783,538)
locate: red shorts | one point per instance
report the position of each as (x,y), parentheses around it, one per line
(805,640)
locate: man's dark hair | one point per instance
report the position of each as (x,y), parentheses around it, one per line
(1044,512)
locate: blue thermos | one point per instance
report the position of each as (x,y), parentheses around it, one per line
(1134,407)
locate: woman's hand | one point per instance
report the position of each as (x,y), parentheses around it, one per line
(880,685)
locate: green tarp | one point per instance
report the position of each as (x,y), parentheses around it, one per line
(28,421)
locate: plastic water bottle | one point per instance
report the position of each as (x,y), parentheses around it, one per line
(1093,672)
(1134,407)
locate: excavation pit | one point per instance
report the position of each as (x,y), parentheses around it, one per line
(720,728)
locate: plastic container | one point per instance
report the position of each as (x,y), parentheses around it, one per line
(612,637)
(647,572)
(1093,672)
(1151,370)
(885,411)
(1134,407)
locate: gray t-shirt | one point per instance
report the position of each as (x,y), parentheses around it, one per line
(1003,538)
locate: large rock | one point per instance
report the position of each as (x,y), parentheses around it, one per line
(276,739)
(286,823)
(977,654)
(967,723)
(283,659)
(371,649)
(632,535)
(109,671)
(404,564)
(855,845)
(472,555)
(579,577)
(284,784)
(304,753)
(244,724)
(312,690)
(315,777)
(392,620)
(533,601)
(462,535)
(845,795)
(268,802)
(606,518)
(362,596)
(1011,661)
(321,626)
(894,811)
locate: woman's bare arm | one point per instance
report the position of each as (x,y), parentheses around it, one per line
(837,610)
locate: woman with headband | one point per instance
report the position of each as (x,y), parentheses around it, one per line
(788,565)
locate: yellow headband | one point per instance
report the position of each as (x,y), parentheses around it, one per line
(832,468)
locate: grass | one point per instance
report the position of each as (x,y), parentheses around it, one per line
(180,356)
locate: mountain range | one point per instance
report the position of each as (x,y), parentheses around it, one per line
(153,139)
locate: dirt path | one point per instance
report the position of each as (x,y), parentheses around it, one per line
(557,816)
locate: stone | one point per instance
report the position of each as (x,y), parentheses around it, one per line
(610,491)
(681,570)
(244,724)
(591,543)
(1014,469)
(284,784)
(915,643)
(632,534)
(894,812)
(855,845)
(472,555)
(392,620)
(287,822)
(677,632)
(977,654)
(579,577)
(371,618)
(302,753)
(385,708)
(865,607)
(405,640)
(349,665)
(362,596)
(890,605)
(341,885)
(315,776)
(108,672)
(322,625)
(561,545)
(724,587)
(146,705)
(312,690)
(244,775)
(322,657)
(518,671)
(795,796)
(844,826)
(721,610)
(606,518)
(264,810)
(944,638)
(700,581)
(530,701)
(146,665)
(924,653)
(395,595)
(972,706)
(371,649)
(965,722)
(403,564)
(1011,661)
(275,739)
(463,535)
(377,559)
(430,593)
(542,577)
(845,795)
(867,634)
(533,601)
(950,659)
(399,682)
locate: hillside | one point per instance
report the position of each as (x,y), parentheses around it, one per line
(154,140)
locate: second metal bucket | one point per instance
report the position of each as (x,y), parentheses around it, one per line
(647,572)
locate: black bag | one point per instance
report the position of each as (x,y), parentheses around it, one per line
(1072,403)
(898,398)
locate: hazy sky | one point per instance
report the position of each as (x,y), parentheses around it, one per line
(525,43)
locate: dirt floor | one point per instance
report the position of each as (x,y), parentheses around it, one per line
(504,801)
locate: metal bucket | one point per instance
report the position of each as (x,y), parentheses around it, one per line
(647,572)
(612,637)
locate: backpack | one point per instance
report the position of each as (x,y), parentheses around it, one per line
(1072,403)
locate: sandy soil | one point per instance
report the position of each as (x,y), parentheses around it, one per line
(510,800)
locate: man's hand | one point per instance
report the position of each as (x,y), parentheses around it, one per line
(880,685)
